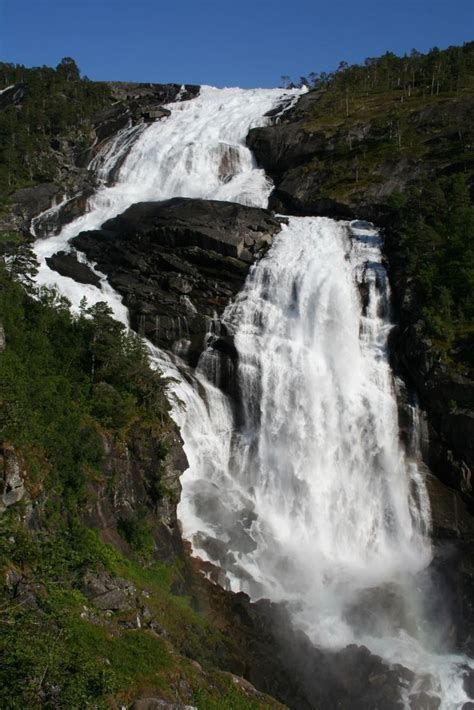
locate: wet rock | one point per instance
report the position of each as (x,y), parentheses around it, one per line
(155,114)
(68,265)
(30,201)
(451,517)
(68,210)
(374,608)
(424,701)
(468,682)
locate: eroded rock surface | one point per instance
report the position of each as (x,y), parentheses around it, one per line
(178,262)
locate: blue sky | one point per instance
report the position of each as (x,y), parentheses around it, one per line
(246,43)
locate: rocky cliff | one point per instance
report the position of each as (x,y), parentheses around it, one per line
(347,164)
(176,263)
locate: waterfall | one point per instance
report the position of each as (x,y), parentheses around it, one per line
(298,486)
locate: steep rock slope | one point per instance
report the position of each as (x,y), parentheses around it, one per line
(176,263)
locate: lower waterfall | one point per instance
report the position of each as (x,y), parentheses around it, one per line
(298,487)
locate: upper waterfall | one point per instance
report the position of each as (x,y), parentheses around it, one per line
(198,151)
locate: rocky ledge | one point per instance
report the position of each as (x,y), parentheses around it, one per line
(176,264)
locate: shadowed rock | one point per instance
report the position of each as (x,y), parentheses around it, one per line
(68,265)
(177,264)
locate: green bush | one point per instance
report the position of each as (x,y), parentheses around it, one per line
(136,530)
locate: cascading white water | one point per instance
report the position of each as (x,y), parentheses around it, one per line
(315,467)
(199,151)
(305,494)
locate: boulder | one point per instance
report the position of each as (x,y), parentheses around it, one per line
(68,265)
(107,592)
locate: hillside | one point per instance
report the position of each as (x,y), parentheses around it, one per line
(392,141)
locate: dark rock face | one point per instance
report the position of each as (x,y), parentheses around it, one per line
(446,396)
(69,210)
(452,569)
(68,265)
(30,201)
(177,263)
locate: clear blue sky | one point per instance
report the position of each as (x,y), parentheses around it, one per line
(244,43)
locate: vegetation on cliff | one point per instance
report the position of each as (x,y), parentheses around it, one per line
(84,624)
(433,226)
(53,107)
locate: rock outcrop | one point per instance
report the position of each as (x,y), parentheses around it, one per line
(313,159)
(68,265)
(178,262)
(140,479)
